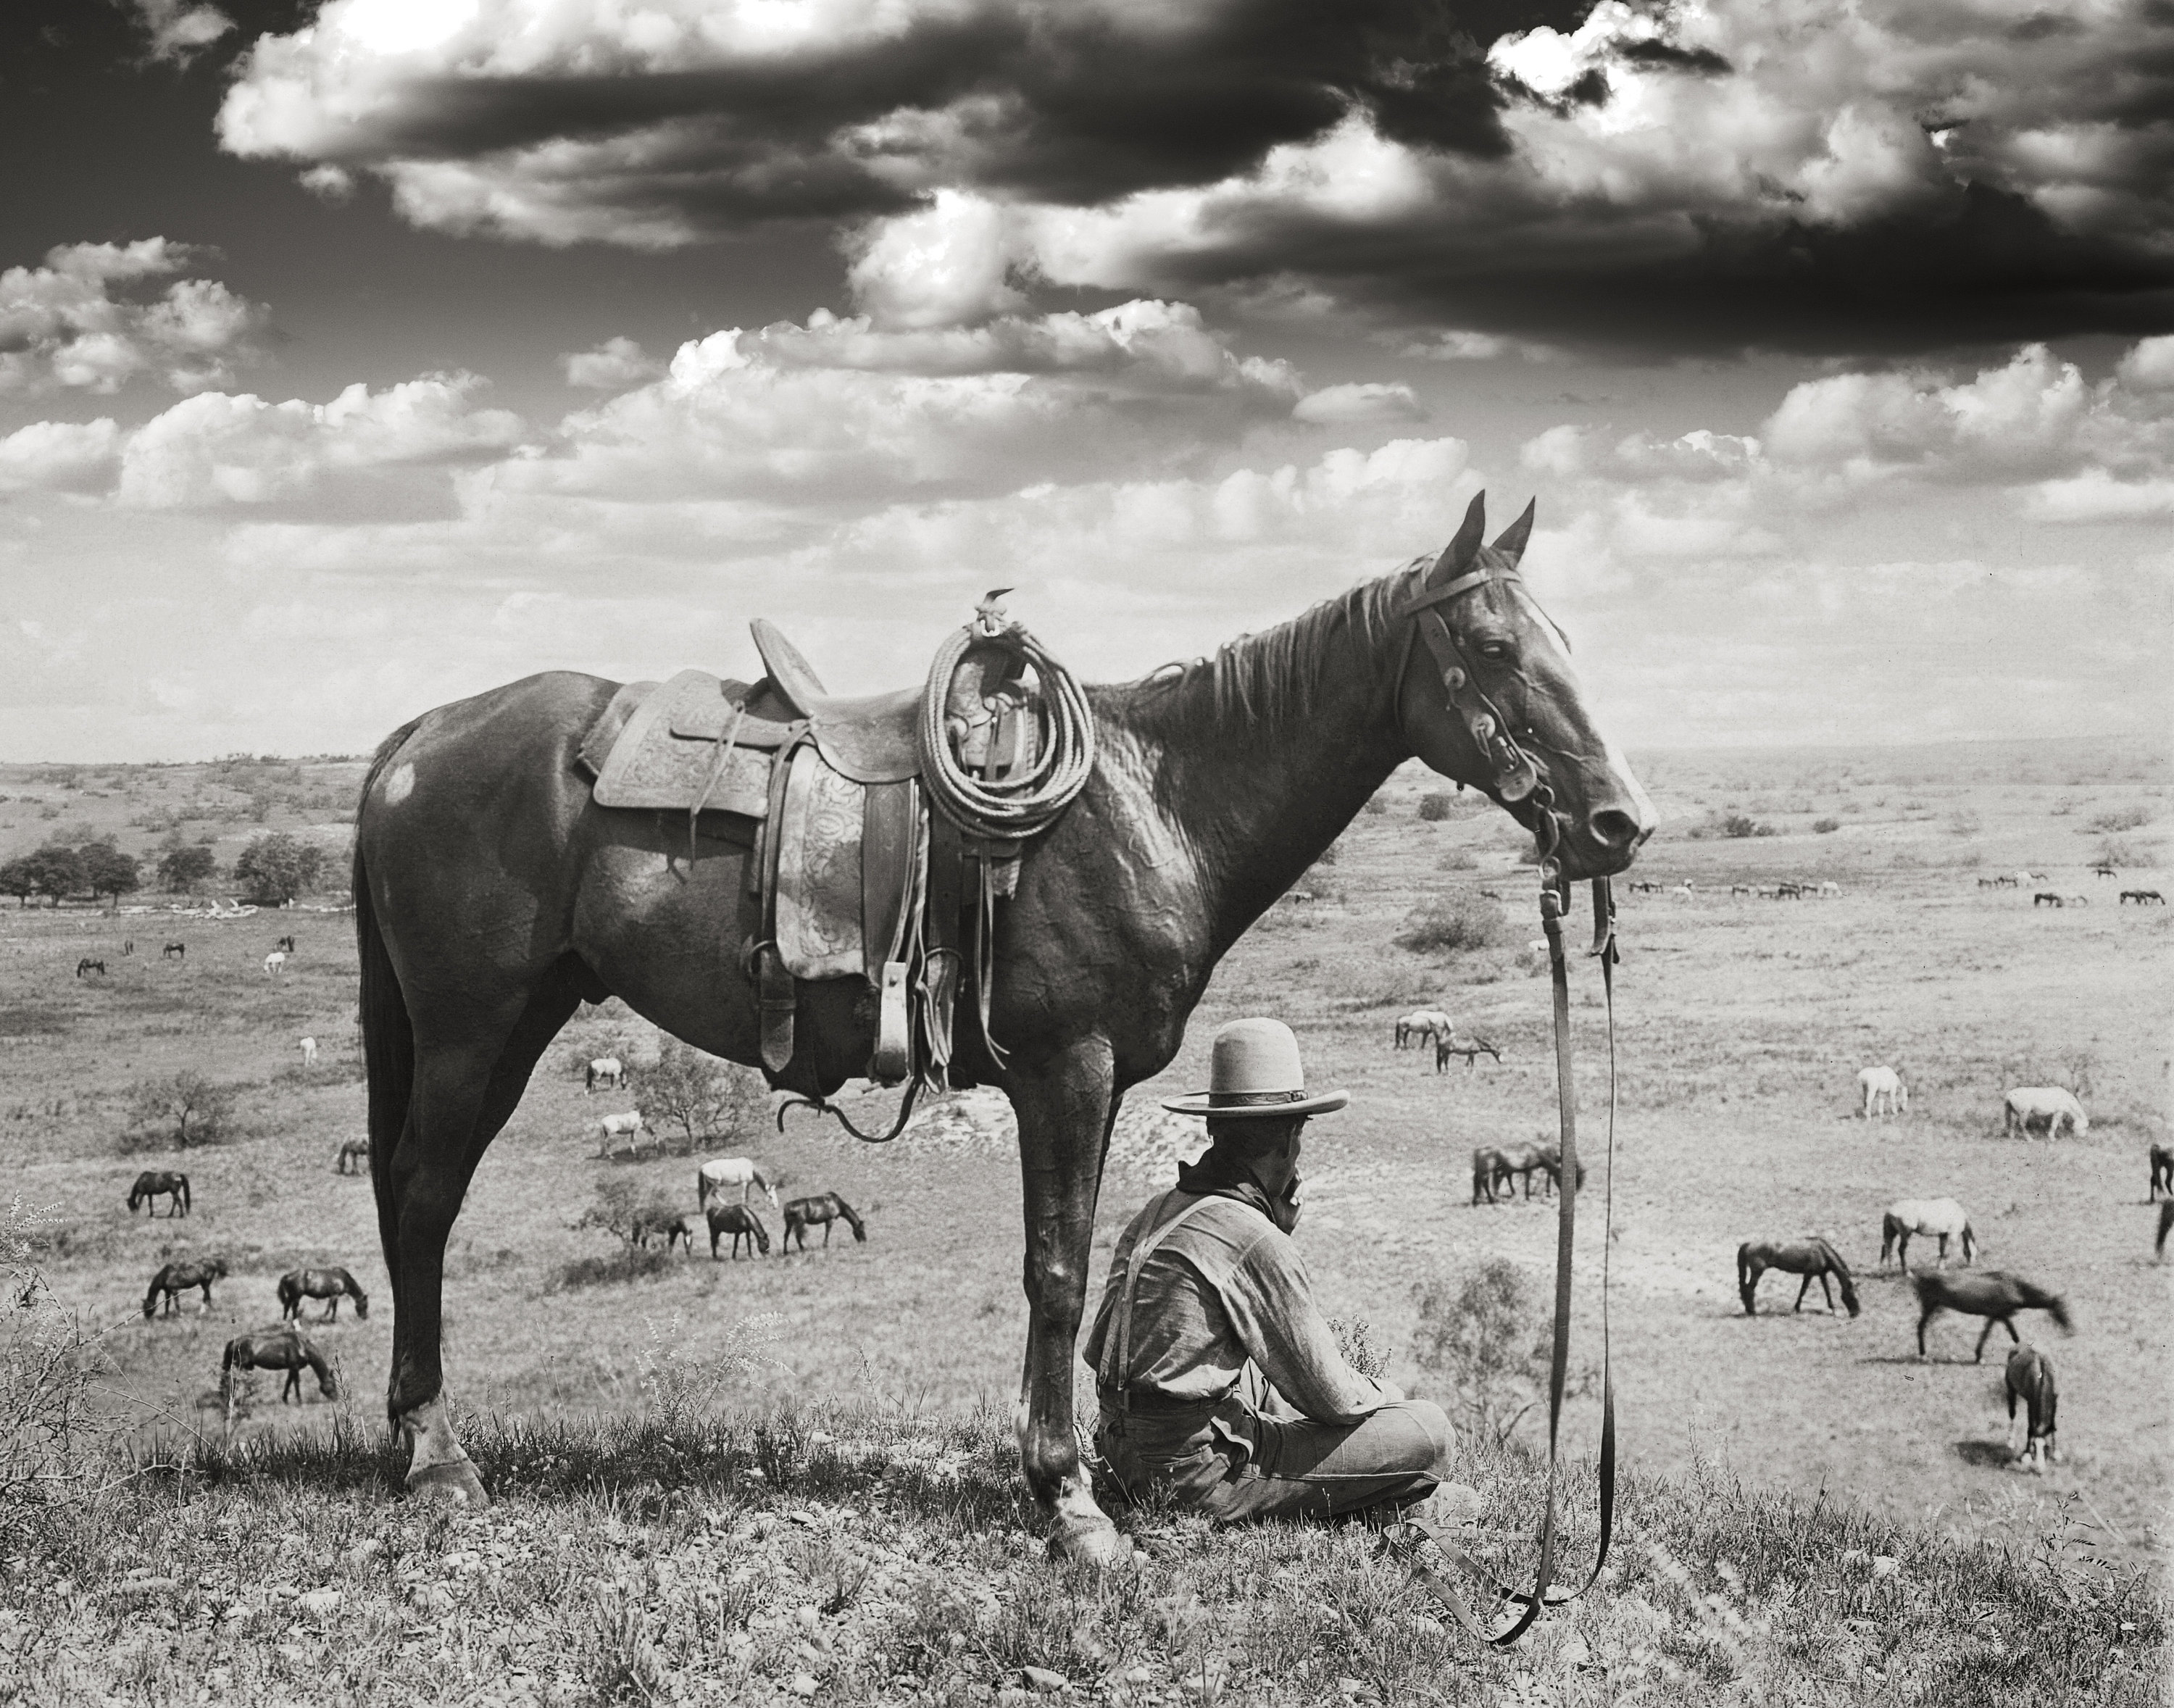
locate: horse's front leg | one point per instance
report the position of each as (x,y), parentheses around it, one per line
(1827,1292)
(1991,1323)
(1066,1104)
(1803,1287)
(1943,1261)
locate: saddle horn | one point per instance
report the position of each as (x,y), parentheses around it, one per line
(1458,555)
(1510,542)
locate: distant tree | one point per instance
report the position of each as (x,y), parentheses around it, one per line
(184,866)
(703,1097)
(19,878)
(278,866)
(108,872)
(182,1109)
(56,871)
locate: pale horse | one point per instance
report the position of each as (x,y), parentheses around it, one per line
(717,1176)
(1422,1026)
(309,1052)
(1937,1219)
(1883,1085)
(628,1126)
(606,1070)
(2029,1105)
(274,961)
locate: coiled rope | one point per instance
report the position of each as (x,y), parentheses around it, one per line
(1009,809)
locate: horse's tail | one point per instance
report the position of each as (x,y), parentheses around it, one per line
(1841,1275)
(852,1220)
(388,1035)
(289,1295)
(1746,1280)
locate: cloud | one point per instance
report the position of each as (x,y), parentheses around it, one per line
(1370,401)
(177,30)
(612,367)
(1795,174)
(63,327)
(60,456)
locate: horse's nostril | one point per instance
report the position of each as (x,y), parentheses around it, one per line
(1614,829)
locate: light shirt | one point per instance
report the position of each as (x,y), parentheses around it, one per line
(1227,1286)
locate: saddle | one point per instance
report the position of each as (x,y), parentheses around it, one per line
(854,874)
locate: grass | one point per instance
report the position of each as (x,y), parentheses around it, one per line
(881,1556)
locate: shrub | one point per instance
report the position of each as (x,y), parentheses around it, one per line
(1435,804)
(183,865)
(627,1263)
(1963,822)
(1457,859)
(181,1110)
(2120,818)
(277,866)
(1738,824)
(1826,827)
(704,1098)
(1485,1337)
(50,1439)
(1375,805)
(1446,926)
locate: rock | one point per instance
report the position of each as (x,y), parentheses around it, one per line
(804,1684)
(1886,1565)
(1041,1679)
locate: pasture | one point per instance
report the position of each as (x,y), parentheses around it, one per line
(1741,1024)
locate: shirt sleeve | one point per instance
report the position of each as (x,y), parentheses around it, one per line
(1270,1298)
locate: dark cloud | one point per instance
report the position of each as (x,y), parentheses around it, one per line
(1667,55)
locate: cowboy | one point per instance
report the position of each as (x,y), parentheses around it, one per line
(1219,1378)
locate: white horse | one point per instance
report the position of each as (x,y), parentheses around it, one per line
(1421,1026)
(309,1052)
(2029,1105)
(606,1070)
(1829,888)
(273,962)
(1883,1085)
(1684,890)
(1940,1218)
(628,1127)
(727,1171)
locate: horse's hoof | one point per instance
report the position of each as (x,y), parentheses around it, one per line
(455,1480)
(1091,1541)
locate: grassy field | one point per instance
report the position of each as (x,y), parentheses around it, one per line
(1740,1028)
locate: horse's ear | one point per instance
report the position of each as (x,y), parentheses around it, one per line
(1511,544)
(1456,557)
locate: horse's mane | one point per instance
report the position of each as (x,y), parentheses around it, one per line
(1268,681)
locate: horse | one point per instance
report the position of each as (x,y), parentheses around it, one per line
(1814,1259)
(1684,890)
(2027,1106)
(2166,1224)
(1992,1294)
(128,946)
(2105,868)
(2143,898)
(1420,1025)
(353,1157)
(1446,1045)
(648,1223)
(605,1070)
(1882,1085)
(2079,900)
(486,916)
(1830,890)
(1940,1218)
(272,964)
(1742,889)
(1786,891)
(331,1285)
(309,1052)
(826,1208)
(285,945)
(2029,1378)
(276,1349)
(88,966)
(1488,1166)
(742,1224)
(2047,898)
(1644,886)
(1549,1153)
(160,1183)
(628,1126)
(2162,1171)
(174,950)
(719,1173)
(176,1278)
(1523,1161)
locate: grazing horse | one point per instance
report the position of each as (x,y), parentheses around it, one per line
(1489,1165)
(628,1126)
(1992,1293)
(1743,889)
(826,1208)
(2104,869)
(331,1285)
(742,1224)
(1882,1085)
(1814,1259)
(1420,1025)
(88,966)
(160,1183)
(176,1278)
(276,1349)
(648,1223)
(1550,1166)
(353,1157)
(1829,890)
(2143,898)
(174,949)
(2162,1171)
(2047,898)
(492,897)
(309,1052)
(1523,1161)
(1448,1044)
(605,1070)
(285,945)
(274,963)
(2031,1105)
(1940,1218)
(720,1173)
(2029,1378)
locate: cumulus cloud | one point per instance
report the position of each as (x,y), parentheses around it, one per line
(60,456)
(1360,401)
(612,367)
(1788,173)
(177,30)
(68,326)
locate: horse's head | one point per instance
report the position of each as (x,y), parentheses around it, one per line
(362,1303)
(1489,698)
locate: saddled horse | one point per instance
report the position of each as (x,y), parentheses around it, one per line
(826,1208)
(1814,1259)
(742,1224)
(284,1348)
(493,897)
(722,1174)
(170,1184)
(174,1279)
(647,1225)
(2029,1378)
(1992,1293)
(332,1285)
(1940,1218)
(353,1157)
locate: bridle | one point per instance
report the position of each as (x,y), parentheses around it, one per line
(1517,781)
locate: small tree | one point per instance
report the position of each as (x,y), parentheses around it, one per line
(108,872)
(278,866)
(183,1110)
(184,866)
(1487,1338)
(54,870)
(19,878)
(703,1097)
(1435,804)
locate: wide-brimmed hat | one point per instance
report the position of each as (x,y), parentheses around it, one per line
(1254,1072)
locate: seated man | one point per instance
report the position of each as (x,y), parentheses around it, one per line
(1219,1378)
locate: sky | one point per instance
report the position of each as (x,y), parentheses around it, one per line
(358,355)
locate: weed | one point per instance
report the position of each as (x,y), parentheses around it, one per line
(1448,925)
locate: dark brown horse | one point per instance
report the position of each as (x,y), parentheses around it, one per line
(276,1349)
(331,1285)
(492,897)
(2029,1378)
(2162,1171)
(1814,1259)
(159,1183)
(1992,1293)
(742,1224)
(826,1208)
(176,1278)
(647,1225)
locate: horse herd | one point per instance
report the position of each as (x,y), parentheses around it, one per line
(1425,1026)
(740,1221)
(282,1346)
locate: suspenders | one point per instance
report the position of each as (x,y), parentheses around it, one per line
(1117,1351)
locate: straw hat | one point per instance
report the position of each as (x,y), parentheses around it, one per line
(1255,1072)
